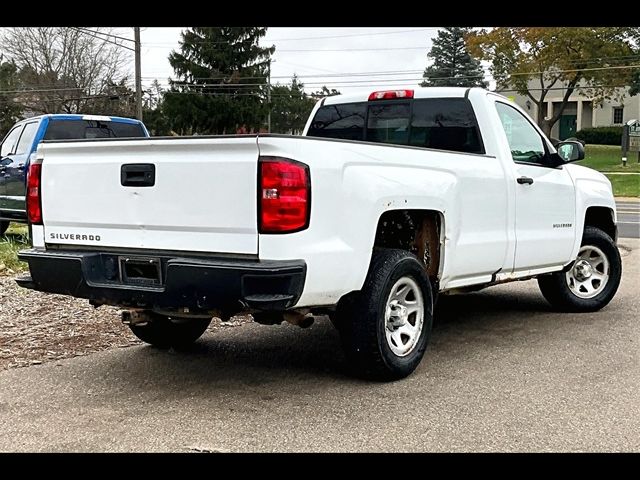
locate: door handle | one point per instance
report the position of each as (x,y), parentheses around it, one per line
(525,180)
(21,166)
(138,175)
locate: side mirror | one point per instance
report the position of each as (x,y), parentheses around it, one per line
(570,151)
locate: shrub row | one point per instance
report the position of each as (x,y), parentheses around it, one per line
(601,135)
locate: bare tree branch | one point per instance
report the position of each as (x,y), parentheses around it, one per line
(80,66)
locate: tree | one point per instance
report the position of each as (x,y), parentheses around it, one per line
(154,116)
(10,110)
(116,99)
(65,69)
(290,107)
(635,83)
(152,96)
(453,65)
(221,84)
(324,92)
(534,61)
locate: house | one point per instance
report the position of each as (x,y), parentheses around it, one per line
(580,112)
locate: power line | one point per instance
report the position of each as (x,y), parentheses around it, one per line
(244,94)
(372,34)
(105,34)
(357,34)
(88,32)
(41,90)
(334,50)
(395,80)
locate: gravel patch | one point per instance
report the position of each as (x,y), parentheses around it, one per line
(38,327)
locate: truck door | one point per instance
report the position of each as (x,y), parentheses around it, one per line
(7,152)
(545,217)
(16,171)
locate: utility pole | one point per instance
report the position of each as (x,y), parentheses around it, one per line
(136,36)
(269,98)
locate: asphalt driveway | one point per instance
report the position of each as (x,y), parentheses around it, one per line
(503,373)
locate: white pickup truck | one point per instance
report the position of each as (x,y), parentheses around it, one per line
(388,199)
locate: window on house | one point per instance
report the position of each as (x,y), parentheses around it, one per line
(618,114)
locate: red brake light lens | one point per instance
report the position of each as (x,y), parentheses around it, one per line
(389,94)
(34,204)
(284,195)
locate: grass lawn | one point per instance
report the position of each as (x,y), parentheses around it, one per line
(625,185)
(608,158)
(16,238)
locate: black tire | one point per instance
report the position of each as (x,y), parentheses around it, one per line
(360,318)
(163,332)
(3,226)
(555,287)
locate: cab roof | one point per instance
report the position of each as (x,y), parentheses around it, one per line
(418,92)
(79,116)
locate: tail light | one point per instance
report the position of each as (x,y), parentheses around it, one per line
(389,94)
(34,201)
(284,195)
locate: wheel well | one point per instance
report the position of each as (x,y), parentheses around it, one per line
(602,218)
(417,231)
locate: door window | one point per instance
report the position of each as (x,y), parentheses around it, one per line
(8,146)
(26,139)
(525,142)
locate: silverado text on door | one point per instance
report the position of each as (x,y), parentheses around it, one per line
(389,199)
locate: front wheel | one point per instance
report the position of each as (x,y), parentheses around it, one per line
(165,332)
(3,226)
(592,280)
(385,327)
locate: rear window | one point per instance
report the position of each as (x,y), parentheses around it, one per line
(344,121)
(440,123)
(445,124)
(388,123)
(79,129)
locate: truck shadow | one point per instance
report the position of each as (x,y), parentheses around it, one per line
(253,355)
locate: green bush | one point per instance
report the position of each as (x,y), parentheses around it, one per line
(601,135)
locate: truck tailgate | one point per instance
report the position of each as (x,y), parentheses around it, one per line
(203,197)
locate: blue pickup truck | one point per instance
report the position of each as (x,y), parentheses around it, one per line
(23,139)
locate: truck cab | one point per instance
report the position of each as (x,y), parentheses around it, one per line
(22,141)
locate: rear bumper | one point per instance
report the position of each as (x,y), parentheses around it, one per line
(200,284)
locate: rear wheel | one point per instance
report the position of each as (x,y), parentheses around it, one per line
(593,278)
(3,226)
(385,327)
(165,332)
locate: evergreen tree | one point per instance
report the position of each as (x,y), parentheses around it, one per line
(221,86)
(10,109)
(153,114)
(290,107)
(453,66)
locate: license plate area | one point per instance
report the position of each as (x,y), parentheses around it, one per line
(140,270)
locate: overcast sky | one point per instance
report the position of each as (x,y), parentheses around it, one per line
(316,59)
